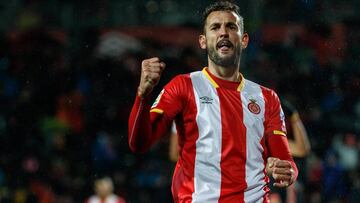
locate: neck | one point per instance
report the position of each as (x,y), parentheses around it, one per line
(225,73)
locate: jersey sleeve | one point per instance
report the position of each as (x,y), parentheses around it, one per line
(147,124)
(275,131)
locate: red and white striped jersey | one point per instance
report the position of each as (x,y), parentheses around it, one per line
(226,132)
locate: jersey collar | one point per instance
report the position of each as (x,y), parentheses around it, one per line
(217,82)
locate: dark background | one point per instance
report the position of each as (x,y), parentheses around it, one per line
(69,72)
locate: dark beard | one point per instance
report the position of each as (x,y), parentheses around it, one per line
(228,61)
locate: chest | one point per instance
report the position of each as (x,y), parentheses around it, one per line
(229,107)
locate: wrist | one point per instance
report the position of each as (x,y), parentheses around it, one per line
(143,93)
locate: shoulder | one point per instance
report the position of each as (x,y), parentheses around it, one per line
(179,83)
(252,84)
(187,77)
(183,83)
(268,93)
(182,78)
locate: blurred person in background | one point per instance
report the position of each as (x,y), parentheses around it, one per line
(229,128)
(173,144)
(104,192)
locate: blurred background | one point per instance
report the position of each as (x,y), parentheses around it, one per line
(69,70)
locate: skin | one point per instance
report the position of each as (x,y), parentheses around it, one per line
(281,171)
(300,145)
(151,70)
(103,187)
(223,62)
(173,148)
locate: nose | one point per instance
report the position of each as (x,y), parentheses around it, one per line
(224,32)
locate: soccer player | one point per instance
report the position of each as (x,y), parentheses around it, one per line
(229,128)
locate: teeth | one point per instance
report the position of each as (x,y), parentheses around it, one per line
(224,43)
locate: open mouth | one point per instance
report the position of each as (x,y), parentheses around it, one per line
(224,44)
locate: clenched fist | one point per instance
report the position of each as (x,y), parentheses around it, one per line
(281,171)
(151,70)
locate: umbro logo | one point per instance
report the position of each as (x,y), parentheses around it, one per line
(206,100)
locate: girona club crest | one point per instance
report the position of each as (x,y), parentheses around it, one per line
(254,107)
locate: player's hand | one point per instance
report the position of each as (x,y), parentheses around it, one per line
(281,171)
(270,165)
(151,70)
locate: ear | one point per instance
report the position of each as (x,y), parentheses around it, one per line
(244,40)
(202,41)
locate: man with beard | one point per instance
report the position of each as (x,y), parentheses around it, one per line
(231,131)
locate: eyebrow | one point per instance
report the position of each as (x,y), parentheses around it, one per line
(226,24)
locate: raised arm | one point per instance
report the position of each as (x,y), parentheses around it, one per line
(145,129)
(148,123)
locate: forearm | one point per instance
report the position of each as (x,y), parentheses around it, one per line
(278,148)
(145,128)
(139,125)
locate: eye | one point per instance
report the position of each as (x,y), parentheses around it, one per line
(233,27)
(214,26)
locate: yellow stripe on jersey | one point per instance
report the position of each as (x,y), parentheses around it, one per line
(209,78)
(278,132)
(242,83)
(155,110)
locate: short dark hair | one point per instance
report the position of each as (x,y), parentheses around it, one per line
(222,6)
